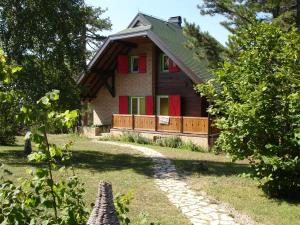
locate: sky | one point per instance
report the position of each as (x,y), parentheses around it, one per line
(122,12)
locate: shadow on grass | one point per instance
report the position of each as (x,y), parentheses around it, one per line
(208,167)
(102,162)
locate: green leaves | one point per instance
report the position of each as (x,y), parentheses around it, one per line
(43,199)
(257,107)
(121,203)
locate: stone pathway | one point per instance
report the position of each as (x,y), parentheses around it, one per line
(197,208)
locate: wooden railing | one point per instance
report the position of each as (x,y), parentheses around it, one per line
(176,124)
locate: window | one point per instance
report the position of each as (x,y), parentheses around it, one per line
(163,105)
(164,63)
(134,64)
(138,106)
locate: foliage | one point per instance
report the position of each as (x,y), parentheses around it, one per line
(49,40)
(189,145)
(205,47)
(121,202)
(8,101)
(238,15)
(171,142)
(256,102)
(41,193)
(133,137)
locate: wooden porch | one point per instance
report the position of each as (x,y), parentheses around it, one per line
(175,124)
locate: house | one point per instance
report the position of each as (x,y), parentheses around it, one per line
(143,78)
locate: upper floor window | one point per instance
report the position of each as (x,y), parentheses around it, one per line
(164,63)
(167,65)
(134,64)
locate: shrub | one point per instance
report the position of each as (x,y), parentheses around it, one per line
(256,102)
(189,145)
(44,198)
(133,137)
(121,202)
(171,142)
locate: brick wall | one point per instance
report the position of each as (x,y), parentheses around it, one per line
(126,85)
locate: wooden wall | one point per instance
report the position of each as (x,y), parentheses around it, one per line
(180,84)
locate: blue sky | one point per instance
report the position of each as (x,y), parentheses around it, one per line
(121,12)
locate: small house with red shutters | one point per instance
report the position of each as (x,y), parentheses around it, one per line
(143,78)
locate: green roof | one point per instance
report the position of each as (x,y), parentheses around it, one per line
(169,37)
(172,36)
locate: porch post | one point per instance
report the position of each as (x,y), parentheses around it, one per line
(181,124)
(209,130)
(132,117)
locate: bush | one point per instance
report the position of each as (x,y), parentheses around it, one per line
(133,137)
(171,142)
(189,145)
(43,198)
(256,102)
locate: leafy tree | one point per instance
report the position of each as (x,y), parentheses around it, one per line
(44,199)
(256,102)
(49,40)
(8,102)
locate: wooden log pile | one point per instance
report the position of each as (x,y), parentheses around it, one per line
(104,210)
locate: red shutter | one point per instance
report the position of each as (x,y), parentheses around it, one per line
(174,105)
(149,105)
(173,68)
(123,64)
(142,63)
(123,104)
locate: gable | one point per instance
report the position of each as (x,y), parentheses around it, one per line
(166,36)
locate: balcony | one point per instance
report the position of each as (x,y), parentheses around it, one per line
(170,124)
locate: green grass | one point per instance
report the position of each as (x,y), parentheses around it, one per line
(131,171)
(217,176)
(126,169)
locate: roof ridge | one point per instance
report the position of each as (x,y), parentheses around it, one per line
(154,17)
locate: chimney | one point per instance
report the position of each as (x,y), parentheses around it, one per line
(176,20)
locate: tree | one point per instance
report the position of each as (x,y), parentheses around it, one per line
(8,102)
(256,103)
(49,195)
(238,14)
(49,40)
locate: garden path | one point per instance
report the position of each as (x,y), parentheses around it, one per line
(199,209)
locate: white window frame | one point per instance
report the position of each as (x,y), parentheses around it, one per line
(158,102)
(131,63)
(138,104)
(163,63)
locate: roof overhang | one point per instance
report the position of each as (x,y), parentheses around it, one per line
(103,47)
(144,33)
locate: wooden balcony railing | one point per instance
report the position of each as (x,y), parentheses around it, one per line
(176,124)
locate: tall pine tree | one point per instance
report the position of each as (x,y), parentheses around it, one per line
(238,14)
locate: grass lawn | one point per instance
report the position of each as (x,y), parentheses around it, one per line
(217,176)
(130,171)
(125,169)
